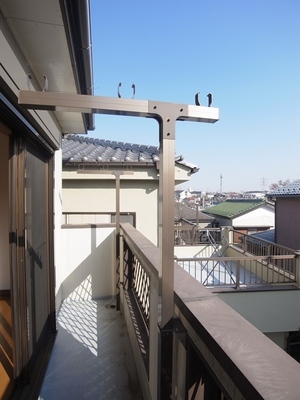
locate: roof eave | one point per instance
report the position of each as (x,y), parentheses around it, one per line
(76,15)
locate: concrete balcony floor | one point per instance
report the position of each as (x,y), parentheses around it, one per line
(92,357)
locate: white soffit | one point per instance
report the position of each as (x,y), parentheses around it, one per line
(38,28)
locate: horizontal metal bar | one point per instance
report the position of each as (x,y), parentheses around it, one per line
(103,172)
(244,258)
(56,101)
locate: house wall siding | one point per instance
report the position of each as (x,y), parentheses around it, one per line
(261,217)
(288,222)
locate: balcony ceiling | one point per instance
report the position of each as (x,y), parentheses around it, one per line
(38,28)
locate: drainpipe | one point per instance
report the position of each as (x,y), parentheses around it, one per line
(76,15)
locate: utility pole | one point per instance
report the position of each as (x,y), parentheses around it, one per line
(221,183)
(263,182)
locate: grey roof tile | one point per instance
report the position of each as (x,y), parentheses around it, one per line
(78,149)
(292,189)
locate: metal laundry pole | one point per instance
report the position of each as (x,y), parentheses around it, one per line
(166,114)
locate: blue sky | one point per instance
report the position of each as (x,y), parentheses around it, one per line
(247,53)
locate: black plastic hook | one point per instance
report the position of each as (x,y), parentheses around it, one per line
(210,99)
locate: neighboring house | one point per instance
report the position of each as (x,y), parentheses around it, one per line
(37,39)
(287,214)
(185,215)
(245,215)
(188,222)
(91,168)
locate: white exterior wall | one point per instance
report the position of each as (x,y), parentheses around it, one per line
(274,313)
(87,263)
(193,251)
(138,197)
(84,193)
(268,311)
(261,217)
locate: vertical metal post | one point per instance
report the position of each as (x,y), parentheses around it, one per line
(117,175)
(118,254)
(167,120)
(238,274)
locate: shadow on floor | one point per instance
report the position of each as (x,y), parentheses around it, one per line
(92,357)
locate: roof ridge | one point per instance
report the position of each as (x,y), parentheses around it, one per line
(100,141)
(78,149)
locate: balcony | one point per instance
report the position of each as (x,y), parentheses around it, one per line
(208,351)
(228,259)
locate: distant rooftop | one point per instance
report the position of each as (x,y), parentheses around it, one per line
(182,211)
(232,208)
(268,235)
(292,189)
(78,149)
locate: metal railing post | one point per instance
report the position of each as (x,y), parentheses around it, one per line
(297,268)
(238,274)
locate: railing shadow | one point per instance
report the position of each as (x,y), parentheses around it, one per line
(91,358)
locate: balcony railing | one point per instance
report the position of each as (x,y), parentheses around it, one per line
(241,271)
(202,353)
(259,247)
(191,235)
(237,260)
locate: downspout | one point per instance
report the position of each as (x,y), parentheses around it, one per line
(76,15)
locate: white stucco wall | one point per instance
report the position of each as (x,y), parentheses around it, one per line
(193,251)
(138,197)
(138,194)
(87,265)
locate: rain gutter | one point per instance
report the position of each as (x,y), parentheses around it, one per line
(76,15)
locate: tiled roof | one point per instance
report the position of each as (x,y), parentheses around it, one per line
(78,149)
(293,189)
(234,207)
(182,211)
